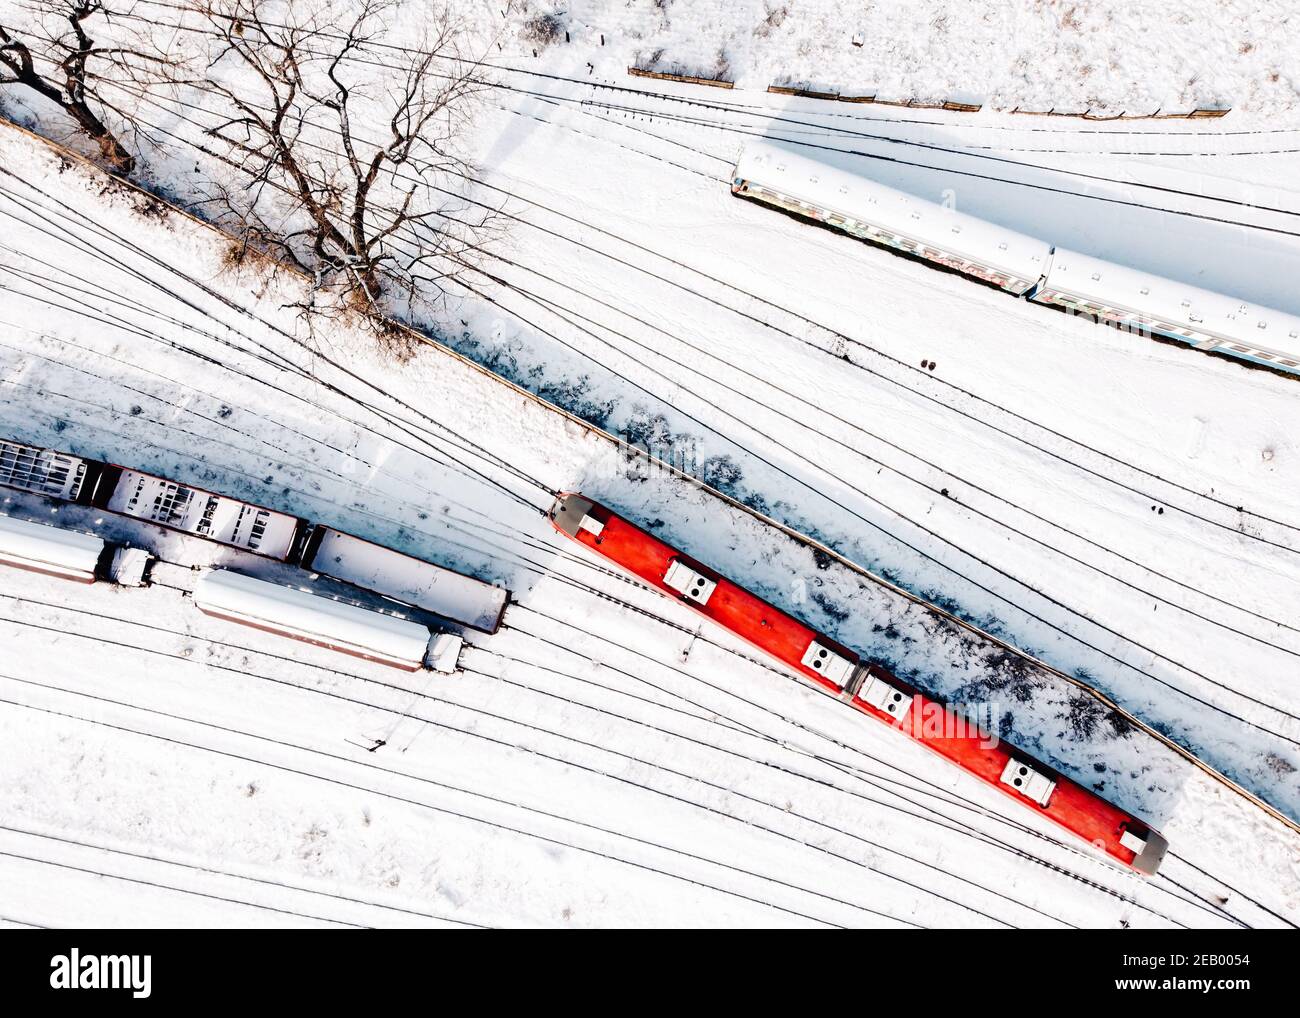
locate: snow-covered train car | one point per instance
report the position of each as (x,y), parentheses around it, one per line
(39,548)
(1148,303)
(312,618)
(782,177)
(41,471)
(452,595)
(866,686)
(195,511)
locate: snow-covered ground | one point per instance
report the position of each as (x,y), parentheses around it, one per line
(1125,510)
(1058,54)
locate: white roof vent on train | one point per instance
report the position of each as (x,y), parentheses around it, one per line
(827,662)
(886,698)
(39,548)
(1028,781)
(692,585)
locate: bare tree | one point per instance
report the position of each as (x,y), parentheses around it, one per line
(348,139)
(54,53)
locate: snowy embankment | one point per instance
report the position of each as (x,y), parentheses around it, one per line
(1068,56)
(602,760)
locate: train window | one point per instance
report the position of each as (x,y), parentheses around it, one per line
(1240,349)
(1262,354)
(1290,364)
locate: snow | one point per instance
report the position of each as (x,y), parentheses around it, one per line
(67,553)
(449,594)
(304,615)
(1113,58)
(603,760)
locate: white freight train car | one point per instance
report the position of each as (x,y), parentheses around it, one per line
(43,471)
(43,549)
(202,513)
(312,618)
(454,596)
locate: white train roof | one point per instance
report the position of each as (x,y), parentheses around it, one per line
(49,549)
(444,592)
(811,181)
(1178,304)
(311,617)
(196,511)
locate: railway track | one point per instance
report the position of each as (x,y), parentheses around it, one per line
(280,451)
(518,818)
(836,349)
(832,555)
(577,561)
(49,844)
(255,660)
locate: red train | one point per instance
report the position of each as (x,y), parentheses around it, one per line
(869,687)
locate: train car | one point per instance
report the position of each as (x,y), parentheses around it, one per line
(1143,302)
(312,618)
(784,178)
(1017,263)
(39,548)
(147,497)
(452,595)
(42,471)
(194,511)
(868,687)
